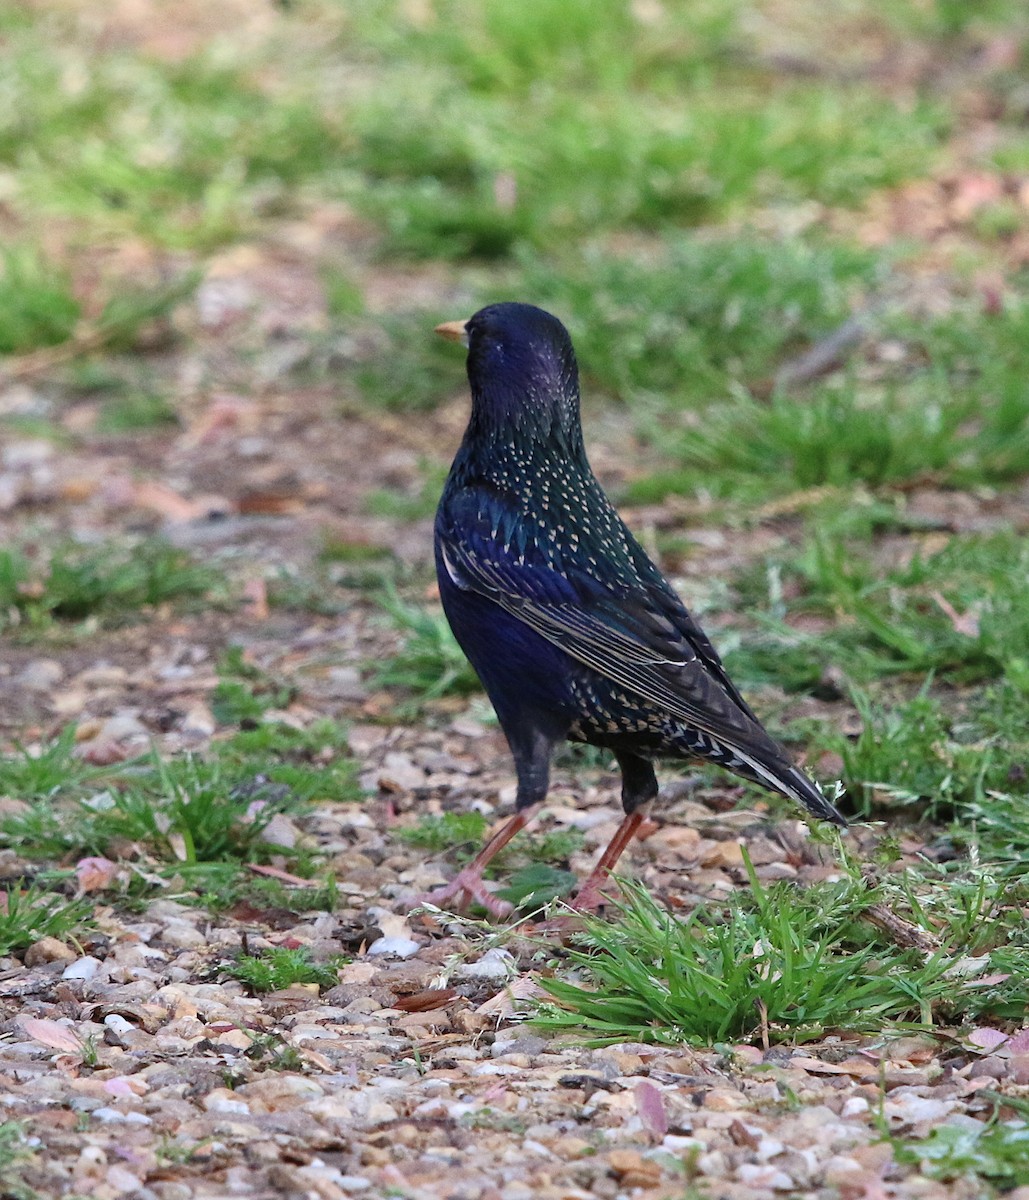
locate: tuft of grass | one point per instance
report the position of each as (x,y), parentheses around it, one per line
(965,759)
(997,1152)
(279,967)
(54,767)
(110,582)
(244,692)
(183,812)
(536,885)
(537,877)
(184,155)
(787,963)
(837,436)
(409,369)
(344,298)
(313,764)
(954,411)
(27,916)
(274,1053)
(37,304)
(14,1151)
(448,831)
(955,606)
(135,412)
(430,664)
(414,504)
(257,892)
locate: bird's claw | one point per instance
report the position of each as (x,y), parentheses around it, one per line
(472,887)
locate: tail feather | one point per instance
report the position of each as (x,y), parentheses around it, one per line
(790,781)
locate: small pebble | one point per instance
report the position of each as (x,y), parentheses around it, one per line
(82,968)
(114,1115)
(401,947)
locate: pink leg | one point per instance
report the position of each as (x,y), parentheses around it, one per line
(590,897)
(469,882)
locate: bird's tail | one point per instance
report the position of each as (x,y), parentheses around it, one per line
(790,781)
(757,757)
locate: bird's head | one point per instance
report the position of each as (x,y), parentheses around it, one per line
(522,372)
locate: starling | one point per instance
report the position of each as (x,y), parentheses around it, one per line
(574,632)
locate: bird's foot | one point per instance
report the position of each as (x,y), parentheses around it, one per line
(590,900)
(470,886)
(591,897)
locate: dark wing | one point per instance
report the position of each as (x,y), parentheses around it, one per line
(629,628)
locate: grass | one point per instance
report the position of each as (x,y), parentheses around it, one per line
(468,133)
(37,305)
(408,369)
(996,1151)
(186,155)
(53,767)
(641,335)
(15,1149)
(414,504)
(784,963)
(244,692)
(459,831)
(135,412)
(624,124)
(954,411)
(966,759)
(429,665)
(259,894)
(186,816)
(110,582)
(314,764)
(950,604)
(280,967)
(27,916)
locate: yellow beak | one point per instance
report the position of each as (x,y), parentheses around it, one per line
(453,331)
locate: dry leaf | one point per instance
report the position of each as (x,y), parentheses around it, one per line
(504,1004)
(987,1039)
(425,1000)
(178,846)
(126,1085)
(1019,1043)
(650,1105)
(51,1033)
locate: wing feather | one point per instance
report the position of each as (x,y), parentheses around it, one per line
(633,632)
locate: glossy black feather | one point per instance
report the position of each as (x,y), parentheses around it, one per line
(571,627)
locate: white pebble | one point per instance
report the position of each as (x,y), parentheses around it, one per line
(82,968)
(495,964)
(402,947)
(219,1104)
(114,1115)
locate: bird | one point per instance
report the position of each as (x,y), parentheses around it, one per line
(572,629)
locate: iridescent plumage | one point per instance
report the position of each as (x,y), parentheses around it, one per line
(573,631)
